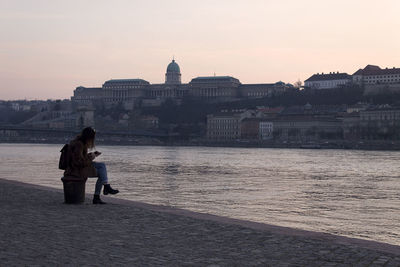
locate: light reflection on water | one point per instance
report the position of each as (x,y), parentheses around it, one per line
(346,192)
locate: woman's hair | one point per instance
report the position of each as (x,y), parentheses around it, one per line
(87,137)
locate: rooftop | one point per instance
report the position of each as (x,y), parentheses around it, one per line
(82,88)
(376,70)
(328,77)
(126,81)
(215,79)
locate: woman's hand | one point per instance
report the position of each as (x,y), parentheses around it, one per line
(93,155)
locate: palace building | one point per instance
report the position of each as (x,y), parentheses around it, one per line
(138,92)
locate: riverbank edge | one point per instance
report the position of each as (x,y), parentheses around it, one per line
(275,229)
(362,147)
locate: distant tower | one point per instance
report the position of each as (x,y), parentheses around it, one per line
(173,75)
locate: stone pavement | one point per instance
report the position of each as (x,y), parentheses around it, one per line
(37,229)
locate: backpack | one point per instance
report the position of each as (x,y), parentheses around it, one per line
(63,163)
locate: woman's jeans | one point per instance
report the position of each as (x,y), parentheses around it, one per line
(102,176)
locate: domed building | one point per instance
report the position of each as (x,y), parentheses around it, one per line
(173,74)
(137,92)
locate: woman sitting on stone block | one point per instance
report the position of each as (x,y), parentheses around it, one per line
(81,164)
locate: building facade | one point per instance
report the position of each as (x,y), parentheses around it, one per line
(263,89)
(372,75)
(380,123)
(250,128)
(87,95)
(226,126)
(351,126)
(133,92)
(266,129)
(124,90)
(256,129)
(327,81)
(307,128)
(215,88)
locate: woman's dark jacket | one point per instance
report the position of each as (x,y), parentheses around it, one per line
(79,162)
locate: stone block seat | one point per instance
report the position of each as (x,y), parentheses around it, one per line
(74,189)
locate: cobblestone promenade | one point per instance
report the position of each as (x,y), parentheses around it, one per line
(37,229)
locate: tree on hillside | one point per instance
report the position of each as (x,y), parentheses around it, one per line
(298,84)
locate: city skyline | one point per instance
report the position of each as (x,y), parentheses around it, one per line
(48,48)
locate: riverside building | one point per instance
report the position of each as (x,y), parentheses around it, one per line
(227,125)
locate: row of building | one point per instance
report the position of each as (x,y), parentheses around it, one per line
(139,92)
(371,77)
(305,124)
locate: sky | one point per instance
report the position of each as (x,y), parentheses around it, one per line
(50,47)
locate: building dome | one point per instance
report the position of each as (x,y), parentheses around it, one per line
(173,67)
(173,75)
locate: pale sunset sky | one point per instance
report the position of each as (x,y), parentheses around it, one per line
(49,47)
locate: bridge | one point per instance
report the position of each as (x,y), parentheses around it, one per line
(18,133)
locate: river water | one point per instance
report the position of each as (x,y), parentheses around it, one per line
(346,192)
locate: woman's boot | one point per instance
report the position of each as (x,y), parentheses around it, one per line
(108,190)
(97,200)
